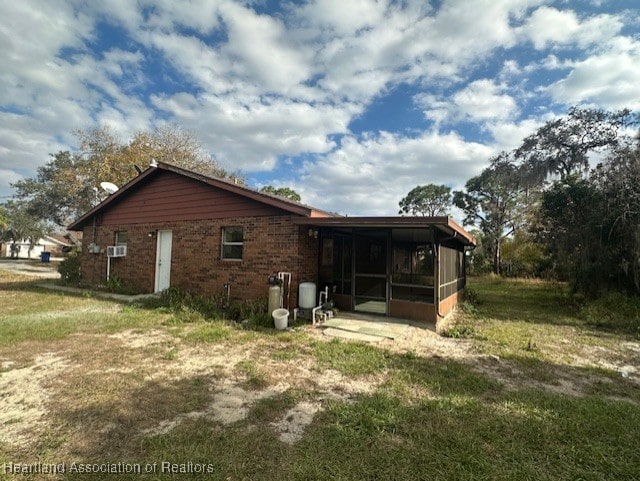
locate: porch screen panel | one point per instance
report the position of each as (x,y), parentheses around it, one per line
(413,272)
(452,271)
(371,271)
(342,264)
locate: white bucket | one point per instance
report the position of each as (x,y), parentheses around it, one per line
(280,318)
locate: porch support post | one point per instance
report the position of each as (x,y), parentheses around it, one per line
(389,270)
(353,269)
(436,272)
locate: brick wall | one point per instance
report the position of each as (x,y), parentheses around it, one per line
(271,244)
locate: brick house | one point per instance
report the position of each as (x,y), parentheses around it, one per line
(197,233)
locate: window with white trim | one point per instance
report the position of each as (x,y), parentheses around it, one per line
(232,243)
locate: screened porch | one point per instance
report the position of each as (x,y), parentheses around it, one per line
(400,269)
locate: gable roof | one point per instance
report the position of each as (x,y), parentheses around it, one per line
(271,200)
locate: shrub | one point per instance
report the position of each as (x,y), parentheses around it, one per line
(522,257)
(185,315)
(467,308)
(459,323)
(180,302)
(471,296)
(115,284)
(616,311)
(458,331)
(189,307)
(69,269)
(254,311)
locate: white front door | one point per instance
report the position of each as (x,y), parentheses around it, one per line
(163,260)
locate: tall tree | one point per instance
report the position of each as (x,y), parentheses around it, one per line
(61,190)
(174,146)
(562,146)
(618,181)
(68,185)
(493,201)
(22,225)
(286,192)
(571,229)
(522,256)
(4,219)
(427,200)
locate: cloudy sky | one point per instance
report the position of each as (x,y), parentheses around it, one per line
(350,102)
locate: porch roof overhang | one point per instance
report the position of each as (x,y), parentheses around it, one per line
(444,224)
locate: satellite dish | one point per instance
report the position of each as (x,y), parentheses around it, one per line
(108,187)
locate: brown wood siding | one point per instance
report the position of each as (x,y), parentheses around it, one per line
(447,305)
(169,197)
(416,311)
(343,301)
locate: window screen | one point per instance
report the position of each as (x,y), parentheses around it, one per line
(121,238)
(232,243)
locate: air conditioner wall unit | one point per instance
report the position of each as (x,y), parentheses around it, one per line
(116,251)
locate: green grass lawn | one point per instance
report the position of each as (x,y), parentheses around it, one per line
(538,396)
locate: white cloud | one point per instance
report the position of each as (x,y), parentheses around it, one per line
(250,133)
(117,12)
(483,99)
(509,135)
(369,176)
(24,145)
(550,26)
(258,43)
(256,88)
(510,68)
(463,29)
(415,43)
(201,64)
(47,96)
(608,79)
(344,18)
(479,101)
(200,15)
(29,60)
(7,177)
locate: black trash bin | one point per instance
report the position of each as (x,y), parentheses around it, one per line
(45,256)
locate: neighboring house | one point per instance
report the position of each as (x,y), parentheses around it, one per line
(56,245)
(200,234)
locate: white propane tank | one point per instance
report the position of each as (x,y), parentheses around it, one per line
(307,295)
(274,298)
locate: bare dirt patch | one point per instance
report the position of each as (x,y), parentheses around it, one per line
(231,400)
(292,425)
(23,396)
(422,341)
(136,339)
(566,371)
(139,383)
(426,342)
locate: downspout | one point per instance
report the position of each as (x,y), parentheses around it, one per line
(93,241)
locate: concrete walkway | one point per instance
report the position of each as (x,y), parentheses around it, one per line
(367,328)
(101,294)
